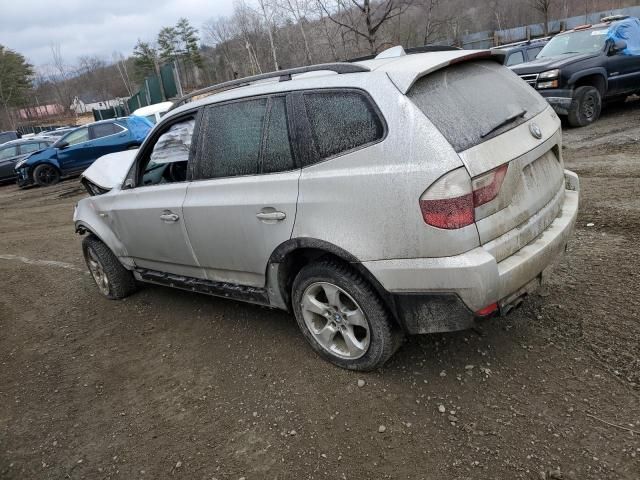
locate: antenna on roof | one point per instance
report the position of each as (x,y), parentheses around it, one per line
(392,52)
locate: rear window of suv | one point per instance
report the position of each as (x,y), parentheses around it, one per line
(467,100)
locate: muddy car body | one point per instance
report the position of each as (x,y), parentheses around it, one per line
(405,194)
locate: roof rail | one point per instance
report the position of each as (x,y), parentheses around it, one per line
(614,18)
(409,51)
(531,41)
(284,75)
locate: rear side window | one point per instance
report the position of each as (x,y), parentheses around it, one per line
(341,121)
(231,138)
(104,129)
(277,148)
(29,147)
(468,100)
(515,58)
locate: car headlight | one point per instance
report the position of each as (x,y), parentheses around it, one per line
(549,74)
(20,164)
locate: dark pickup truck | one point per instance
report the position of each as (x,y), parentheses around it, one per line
(580,70)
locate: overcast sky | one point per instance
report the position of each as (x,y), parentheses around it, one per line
(94,27)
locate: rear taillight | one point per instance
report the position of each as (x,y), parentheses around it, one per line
(487,186)
(450,202)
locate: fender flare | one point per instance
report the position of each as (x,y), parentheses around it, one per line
(276,285)
(590,71)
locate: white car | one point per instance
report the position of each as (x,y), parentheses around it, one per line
(406,194)
(154,112)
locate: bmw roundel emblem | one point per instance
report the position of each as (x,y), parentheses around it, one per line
(535,130)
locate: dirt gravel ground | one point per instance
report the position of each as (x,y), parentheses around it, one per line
(168,384)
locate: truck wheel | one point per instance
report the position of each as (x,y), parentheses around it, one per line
(585,107)
(113,280)
(342,317)
(46,174)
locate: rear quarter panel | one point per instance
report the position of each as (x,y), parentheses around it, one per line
(366,201)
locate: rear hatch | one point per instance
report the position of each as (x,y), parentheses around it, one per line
(510,143)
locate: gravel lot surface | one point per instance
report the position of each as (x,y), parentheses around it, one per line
(168,384)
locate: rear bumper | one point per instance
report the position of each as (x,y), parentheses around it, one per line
(475,277)
(559,99)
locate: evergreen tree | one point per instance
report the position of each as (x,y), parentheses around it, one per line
(16,76)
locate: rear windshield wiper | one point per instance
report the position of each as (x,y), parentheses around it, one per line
(506,121)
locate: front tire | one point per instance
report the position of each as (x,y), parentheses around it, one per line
(342,317)
(585,107)
(46,174)
(113,280)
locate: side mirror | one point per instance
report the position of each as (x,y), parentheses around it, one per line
(618,47)
(62,145)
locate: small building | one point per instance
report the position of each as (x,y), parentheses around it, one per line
(88,103)
(40,111)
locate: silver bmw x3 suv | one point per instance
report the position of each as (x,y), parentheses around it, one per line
(405,194)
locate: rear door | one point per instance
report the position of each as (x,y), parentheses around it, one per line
(8,157)
(242,202)
(106,138)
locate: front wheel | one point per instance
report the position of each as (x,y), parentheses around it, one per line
(585,107)
(342,317)
(113,280)
(46,174)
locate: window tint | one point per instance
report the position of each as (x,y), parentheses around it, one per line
(77,136)
(231,139)
(170,154)
(341,121)
(515,58)
(104,129)
(277,149)
(44,145)
(8,152)
(29,147)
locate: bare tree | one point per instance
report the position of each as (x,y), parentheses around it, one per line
(543,7)
(373,16)
(221,33)
(268,13)
(299,10)
(59,77)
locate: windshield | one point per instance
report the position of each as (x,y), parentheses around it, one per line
(585,41)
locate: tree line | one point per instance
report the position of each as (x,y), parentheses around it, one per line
(266,35)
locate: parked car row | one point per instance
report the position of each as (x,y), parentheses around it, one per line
(73,152)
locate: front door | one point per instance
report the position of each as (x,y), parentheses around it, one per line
(149,218)
(624,73)
(74,155)
(242,202)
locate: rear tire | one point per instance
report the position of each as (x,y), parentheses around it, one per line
(585,107)
(46,174)
(342,317)
(113,280)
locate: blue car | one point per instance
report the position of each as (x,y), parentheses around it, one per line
(78,149)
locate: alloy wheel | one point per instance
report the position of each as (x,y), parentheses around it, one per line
(97,272)
(46,175)
(335,320)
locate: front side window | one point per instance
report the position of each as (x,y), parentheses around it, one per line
(231,136)
(8,152)
(168,159)
(341,121)
(77,136)
(532,53)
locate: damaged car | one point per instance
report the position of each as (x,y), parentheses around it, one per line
(75,151)
(406,194)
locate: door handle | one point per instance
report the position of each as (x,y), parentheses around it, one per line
(169,217)
(273,216)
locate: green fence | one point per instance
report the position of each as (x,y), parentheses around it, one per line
(112,112)
(151,89)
